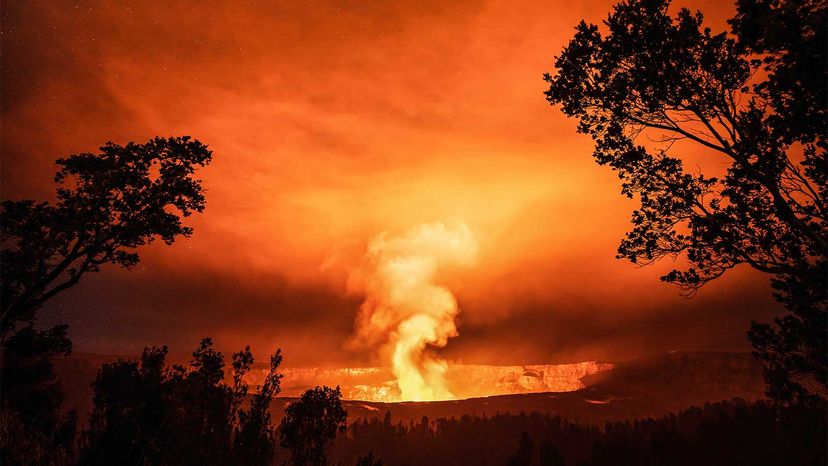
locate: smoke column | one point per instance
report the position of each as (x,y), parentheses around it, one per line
(405,311)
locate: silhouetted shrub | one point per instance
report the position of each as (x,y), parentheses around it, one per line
(311,424)
(149,413)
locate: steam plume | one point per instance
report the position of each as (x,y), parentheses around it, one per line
(406,310)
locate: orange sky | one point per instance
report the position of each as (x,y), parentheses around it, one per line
(331,122)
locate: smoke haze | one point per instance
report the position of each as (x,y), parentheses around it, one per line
(407,311)
(330,122)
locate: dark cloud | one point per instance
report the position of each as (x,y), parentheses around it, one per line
(121,312)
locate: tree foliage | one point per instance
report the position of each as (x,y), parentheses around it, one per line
(107,205)
(754,100)
(525,452)
(252,443)
(722,433)
(311,424)
(369,460)
(34,430)
(149,413)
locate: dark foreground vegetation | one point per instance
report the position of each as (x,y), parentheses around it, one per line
(147,412)
(724,433)
(172,429)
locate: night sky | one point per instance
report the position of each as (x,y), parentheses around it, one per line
(330,123)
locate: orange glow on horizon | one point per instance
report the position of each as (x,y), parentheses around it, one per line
(331,122)
(463,380)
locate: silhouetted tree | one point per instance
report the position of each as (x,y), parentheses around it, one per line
(549,455)
(107,205)
(369,460)
(791,37)
(311,424)
(671,79)
(33,429)
(254,441)
(526,449)
(149,413)
(724,433)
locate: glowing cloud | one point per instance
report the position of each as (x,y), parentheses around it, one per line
(406,311)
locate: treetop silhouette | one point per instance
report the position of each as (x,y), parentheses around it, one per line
(150,413)
(646,73)
(311,424)
(107,205)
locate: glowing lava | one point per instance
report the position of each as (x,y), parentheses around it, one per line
(406,312)
(463,380)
